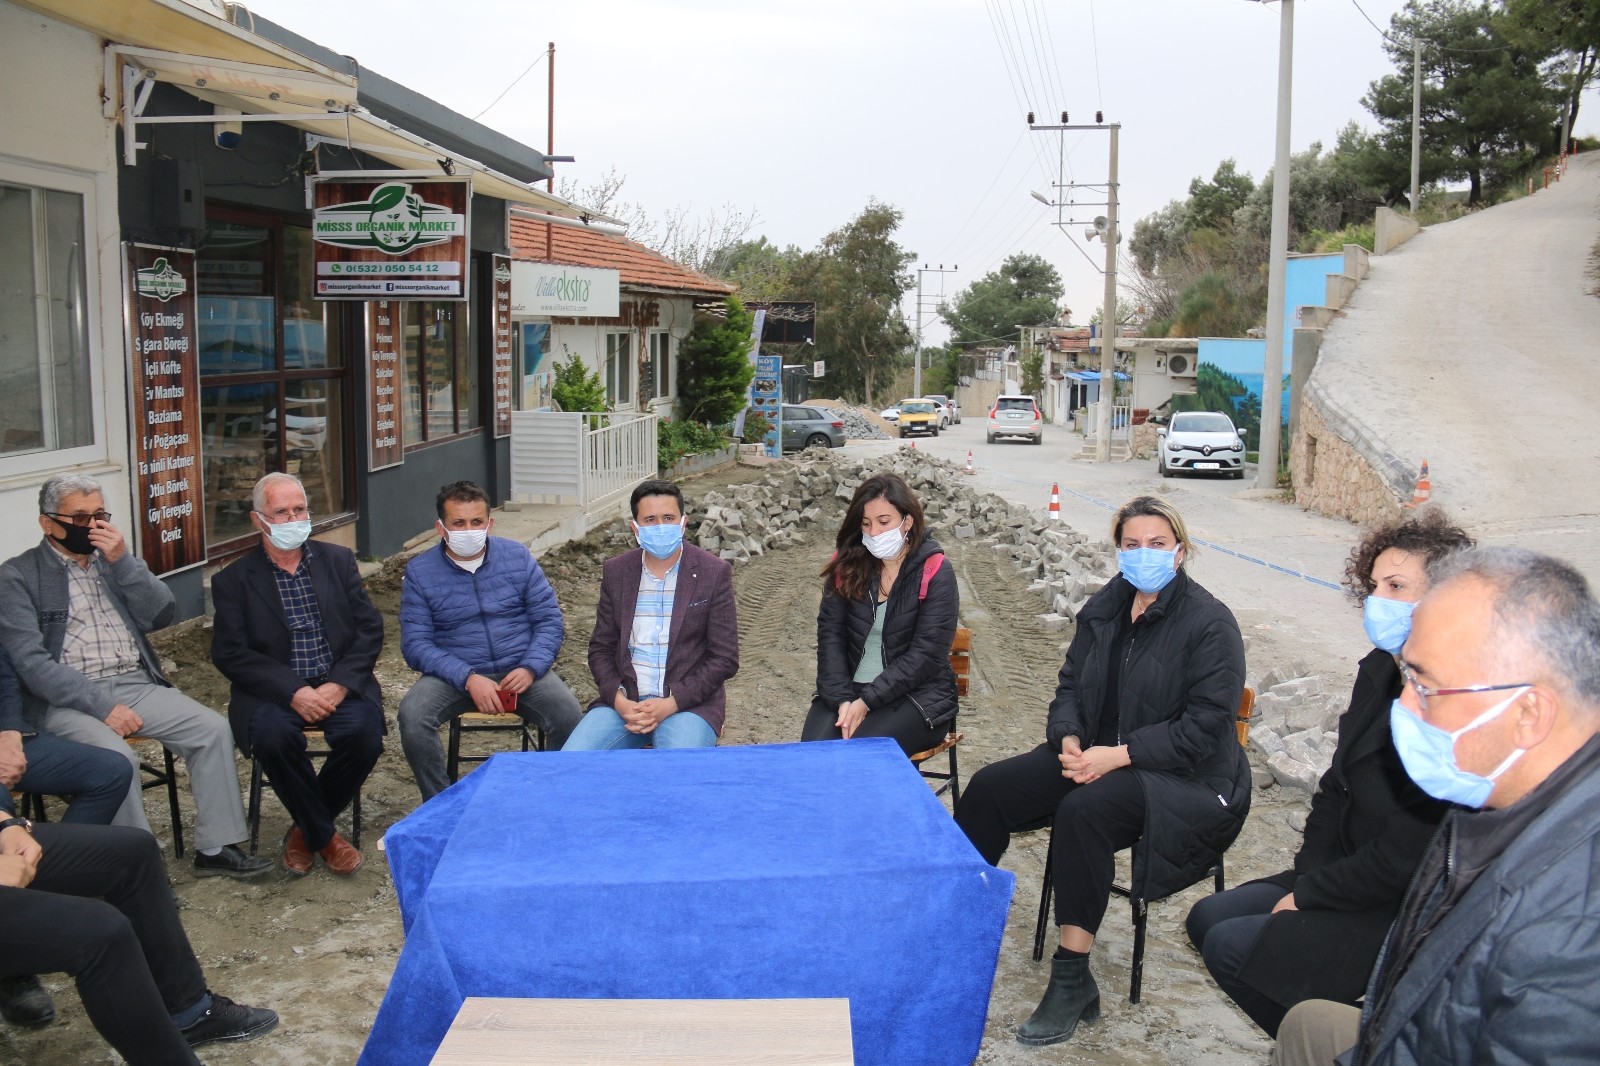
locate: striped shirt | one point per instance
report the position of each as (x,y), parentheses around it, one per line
(652,624)
(97,642)
(309,655)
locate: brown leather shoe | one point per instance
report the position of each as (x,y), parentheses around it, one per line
(341,856)
(297,857)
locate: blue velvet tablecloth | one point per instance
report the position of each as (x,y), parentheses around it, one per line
(796,870)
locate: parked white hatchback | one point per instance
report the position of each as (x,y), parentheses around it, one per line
(1201,441)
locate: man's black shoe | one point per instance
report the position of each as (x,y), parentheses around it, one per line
(230,862)
(23,1001)
(227,1020)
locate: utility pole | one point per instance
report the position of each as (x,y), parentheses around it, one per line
(916,375)
(1272,380)
(550,145)
(1416,119)
(1105,227)
(1566,111)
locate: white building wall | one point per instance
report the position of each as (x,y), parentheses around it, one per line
(587,339)
(53,133)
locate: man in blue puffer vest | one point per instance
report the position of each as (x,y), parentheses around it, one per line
(481,623)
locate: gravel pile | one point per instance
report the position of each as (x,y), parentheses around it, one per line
(857,426)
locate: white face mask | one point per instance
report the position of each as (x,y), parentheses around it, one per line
(465,543)
(885,545)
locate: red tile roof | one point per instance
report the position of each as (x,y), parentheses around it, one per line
(637,265)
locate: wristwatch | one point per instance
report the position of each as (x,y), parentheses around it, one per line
(23,822)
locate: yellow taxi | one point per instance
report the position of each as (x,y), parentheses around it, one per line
(919,416)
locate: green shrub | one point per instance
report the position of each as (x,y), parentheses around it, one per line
(577,388)
(674,440)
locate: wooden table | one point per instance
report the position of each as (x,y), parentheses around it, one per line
(648,1032)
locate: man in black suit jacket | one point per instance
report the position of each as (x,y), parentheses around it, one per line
(297,635)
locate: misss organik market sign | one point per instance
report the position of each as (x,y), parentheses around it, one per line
(391,240)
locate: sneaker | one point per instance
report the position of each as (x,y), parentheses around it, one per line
(341,856)
(23,1001)
(297,857)
(230,862)
(227,1020)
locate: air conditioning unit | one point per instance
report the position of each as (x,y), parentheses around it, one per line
(1181,365)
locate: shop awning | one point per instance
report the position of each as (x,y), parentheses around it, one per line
(1088,376)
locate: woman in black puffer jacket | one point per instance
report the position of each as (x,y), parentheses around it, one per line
(889,607)
(1140,743)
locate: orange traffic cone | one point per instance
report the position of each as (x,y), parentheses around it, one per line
(1424,489)
(969,461)
(913,445)
(1055,502)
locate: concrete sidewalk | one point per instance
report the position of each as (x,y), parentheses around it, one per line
(1473,347)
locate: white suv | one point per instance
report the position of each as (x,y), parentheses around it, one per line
(1016,416)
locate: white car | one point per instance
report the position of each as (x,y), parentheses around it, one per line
(890,414)
(1200,441)
(1016,416)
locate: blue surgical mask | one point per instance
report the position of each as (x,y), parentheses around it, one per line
(662,540)
(1387,622)
(1429,755)
(287,536)
(1148,569)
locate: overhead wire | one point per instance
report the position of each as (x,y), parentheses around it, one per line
(513,85)
(1094,38)
(992,9)
(978,205)
(1407,42)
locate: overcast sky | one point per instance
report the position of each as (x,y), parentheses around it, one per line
(804,112)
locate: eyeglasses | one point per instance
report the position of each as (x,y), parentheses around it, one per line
(79,519)
(1425,694)
(286,514)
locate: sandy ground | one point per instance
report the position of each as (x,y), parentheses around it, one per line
(320,950)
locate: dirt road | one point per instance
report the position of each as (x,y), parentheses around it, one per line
(320,950)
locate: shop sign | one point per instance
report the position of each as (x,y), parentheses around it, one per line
(168,522)
(765,397)
(386,436)
(568,291)
(391,240)
(502,345)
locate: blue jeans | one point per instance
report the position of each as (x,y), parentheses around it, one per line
(96,779)
(602,730)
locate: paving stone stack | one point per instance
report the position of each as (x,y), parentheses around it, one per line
(857,426)
(1296,725)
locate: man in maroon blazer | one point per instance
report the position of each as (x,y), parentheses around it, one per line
(297,635)
(666,637)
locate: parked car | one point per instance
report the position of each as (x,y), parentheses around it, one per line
(952,408)
(810,427)
(890,414)
(918,416)
(1016,416)
(942,408)
(1199,440)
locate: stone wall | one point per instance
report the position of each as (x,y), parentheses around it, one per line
(1330,471)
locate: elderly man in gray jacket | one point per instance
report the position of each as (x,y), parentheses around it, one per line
(76,611)
(1494,953)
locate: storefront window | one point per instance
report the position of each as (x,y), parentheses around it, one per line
(45,388)
(619,369)
(441,393)
(272,366)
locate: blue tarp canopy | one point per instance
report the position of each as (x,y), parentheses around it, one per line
(1093,375)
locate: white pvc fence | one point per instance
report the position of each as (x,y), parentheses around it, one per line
(586,460)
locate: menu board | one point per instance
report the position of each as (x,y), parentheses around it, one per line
(386,437)
(164,410)
(502,345)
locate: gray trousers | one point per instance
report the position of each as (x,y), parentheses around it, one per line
(195,733)
(432,702)
(1316,1031)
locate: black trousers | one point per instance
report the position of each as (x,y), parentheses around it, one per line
(1224,927)
(902,722)
(101,910)
(314,799)
(1091,824)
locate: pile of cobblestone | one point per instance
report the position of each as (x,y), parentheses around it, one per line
(1296,724)
(805,498)
(857,426)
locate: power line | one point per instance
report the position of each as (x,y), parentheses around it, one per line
(992,9)
(976,207)
(1094,36)
(1399,42)
(508,88)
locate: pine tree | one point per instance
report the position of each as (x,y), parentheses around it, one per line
(714,367)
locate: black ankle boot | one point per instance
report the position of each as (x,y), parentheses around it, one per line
(23,1001)
(1072,997)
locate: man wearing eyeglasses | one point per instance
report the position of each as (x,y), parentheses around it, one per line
(1494,953)
(76,611)
(298,636)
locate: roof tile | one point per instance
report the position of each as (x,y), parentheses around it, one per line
(636,265)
